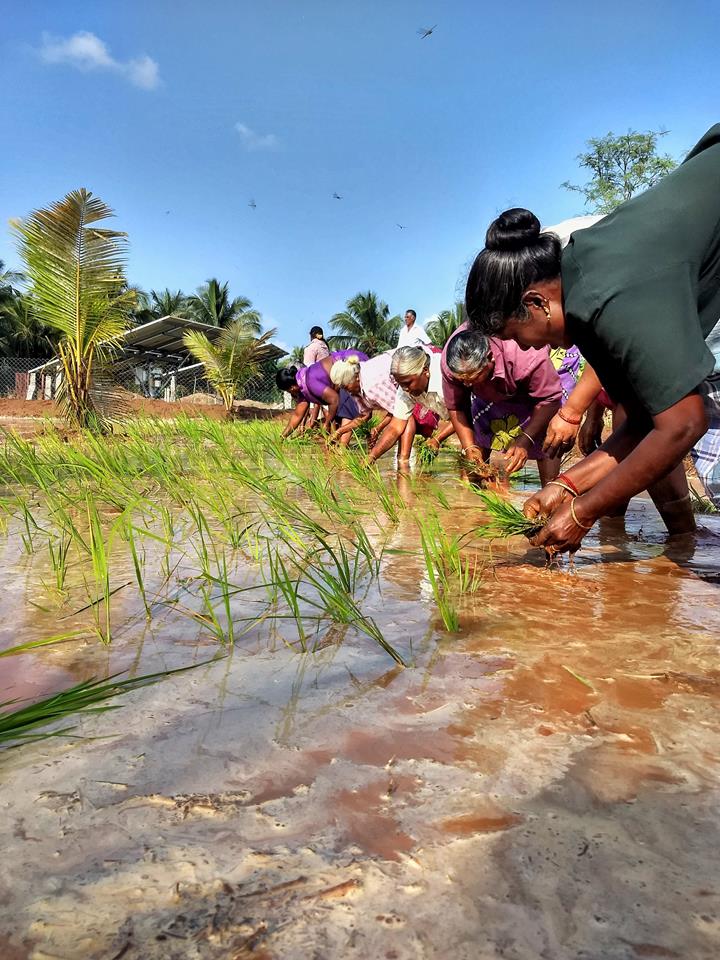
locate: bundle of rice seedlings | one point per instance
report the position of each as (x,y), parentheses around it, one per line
(505,518)
(479,470)
(425,454)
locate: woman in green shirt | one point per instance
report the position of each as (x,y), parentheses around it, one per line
(639,293)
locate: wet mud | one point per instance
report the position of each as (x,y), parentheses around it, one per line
(542,784)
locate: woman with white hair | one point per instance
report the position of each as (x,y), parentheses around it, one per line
(419,404)
(370,382)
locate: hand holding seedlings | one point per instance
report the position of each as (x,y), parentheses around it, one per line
(546,501)
(565,529)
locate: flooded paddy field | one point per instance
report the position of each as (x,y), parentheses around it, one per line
(398,741)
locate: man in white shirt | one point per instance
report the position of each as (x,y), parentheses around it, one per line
(412,333)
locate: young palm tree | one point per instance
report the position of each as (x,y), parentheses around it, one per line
(212,305)
(233,360)
(75,271)
(447,322)
(366,325)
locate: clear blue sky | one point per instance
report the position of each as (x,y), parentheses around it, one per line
(196,108)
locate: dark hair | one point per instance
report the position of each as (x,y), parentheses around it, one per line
(516,256)
(467,350)
(410,310)
(314,331)
(285,378)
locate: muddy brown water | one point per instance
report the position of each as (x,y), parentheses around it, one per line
(544,784)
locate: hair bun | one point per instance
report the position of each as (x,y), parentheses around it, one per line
(513,230)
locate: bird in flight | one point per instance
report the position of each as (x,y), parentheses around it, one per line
(425,31)
(167,212)
(252,204)
(400,225)
(336,196)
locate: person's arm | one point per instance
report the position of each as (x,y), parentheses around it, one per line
(376,431)
(631,460)
(516,455)
(312,419)
(331,398)
(296,419)
(351,425)
(442,433)
(589,436)
(388,438)
(560,434)
(463,428)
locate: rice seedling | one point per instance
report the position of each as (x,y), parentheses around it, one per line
(58,548)
(505,518)
(21,725)
(99,555)
(700,503)
(438,583)
(425,454)
(43,642)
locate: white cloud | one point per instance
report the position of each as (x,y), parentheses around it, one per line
(86,52)
(256,141)
(143,72)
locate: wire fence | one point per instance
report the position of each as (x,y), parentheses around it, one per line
(36,379)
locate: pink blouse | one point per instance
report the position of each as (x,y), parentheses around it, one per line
(317,350)
(528,372)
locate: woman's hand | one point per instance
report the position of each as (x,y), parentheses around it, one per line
(373,437)
(473,455)
(561,533)
(545,502)
(516,456)
(560,436)
(590,435)
(432,444)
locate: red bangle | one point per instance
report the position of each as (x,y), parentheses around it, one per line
(564,478)
(571,420)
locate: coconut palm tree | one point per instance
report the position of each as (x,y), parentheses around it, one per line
(233,360)
(212,305)
(77,285)
(168,303)
(22,334)
(295,357)
(447,322)
(366,325)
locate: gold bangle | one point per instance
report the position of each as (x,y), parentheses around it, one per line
(559,483)
(527,435)
(473,446)
(575,519)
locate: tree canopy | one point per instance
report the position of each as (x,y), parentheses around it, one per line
(366,325)
(621,166)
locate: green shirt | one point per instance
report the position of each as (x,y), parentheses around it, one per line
(642,286)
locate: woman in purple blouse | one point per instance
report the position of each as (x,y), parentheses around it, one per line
(313,385)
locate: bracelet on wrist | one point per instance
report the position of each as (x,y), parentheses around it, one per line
(473,446)
(575,519)
(574,421)
(527,437)
(559,483)
(564,479)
